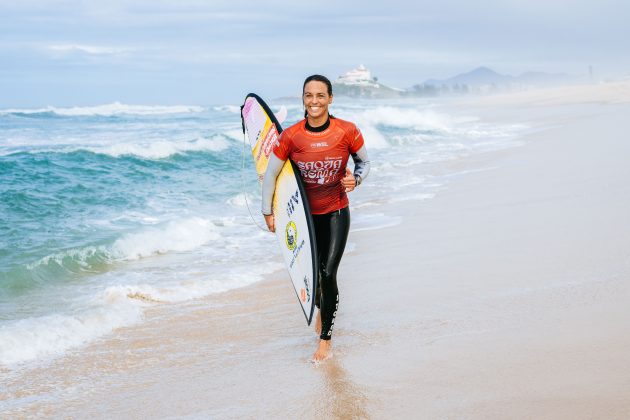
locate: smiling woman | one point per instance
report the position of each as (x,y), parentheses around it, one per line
(320,145)
(316,100)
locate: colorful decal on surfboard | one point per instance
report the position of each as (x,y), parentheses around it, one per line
(294,223)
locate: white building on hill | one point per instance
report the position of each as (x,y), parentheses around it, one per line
(357,77)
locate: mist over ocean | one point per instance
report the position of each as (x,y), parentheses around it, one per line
(108,210)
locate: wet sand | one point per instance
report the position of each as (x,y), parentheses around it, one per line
(505,296)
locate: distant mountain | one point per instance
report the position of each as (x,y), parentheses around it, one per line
(483,76)
(477,77)
(359,83)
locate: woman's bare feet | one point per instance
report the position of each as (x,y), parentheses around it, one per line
(324,351)
(318,323)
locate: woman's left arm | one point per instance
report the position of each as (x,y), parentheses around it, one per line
(274,167)
(361,169)
(361,165)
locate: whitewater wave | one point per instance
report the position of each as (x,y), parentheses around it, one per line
(175,236)
(107,110)
(426,120)
(195,287)
(127,291)
(384,126)
(233,109)
(117,306)
(157,149)
(242,200)
(74,260)
(376,124)
(236,134)
(161,149)
(33,338)
(51,335)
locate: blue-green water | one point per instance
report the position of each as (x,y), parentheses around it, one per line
(107,210)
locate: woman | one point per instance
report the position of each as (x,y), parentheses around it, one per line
(320,145)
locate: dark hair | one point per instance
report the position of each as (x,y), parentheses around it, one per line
(317,78)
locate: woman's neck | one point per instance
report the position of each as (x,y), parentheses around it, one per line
(316,122)
(310,126)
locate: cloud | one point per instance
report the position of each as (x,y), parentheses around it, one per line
(97,50)
(224,45)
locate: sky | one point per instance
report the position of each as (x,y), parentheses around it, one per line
(194,52)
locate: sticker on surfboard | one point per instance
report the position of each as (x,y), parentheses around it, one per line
(294,223)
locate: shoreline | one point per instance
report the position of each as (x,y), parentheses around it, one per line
(504,293)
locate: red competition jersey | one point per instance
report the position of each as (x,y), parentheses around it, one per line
(322,158)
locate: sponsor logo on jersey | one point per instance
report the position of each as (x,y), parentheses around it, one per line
(320,171)
(290,236)
(319,144)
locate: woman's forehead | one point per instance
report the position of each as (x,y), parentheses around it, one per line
(315,86)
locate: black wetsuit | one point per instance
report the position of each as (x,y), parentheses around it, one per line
(331,234)
(331,226)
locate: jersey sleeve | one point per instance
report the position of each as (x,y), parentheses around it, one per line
(356,142)
(283,148)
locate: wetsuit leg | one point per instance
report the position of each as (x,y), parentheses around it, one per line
(331,233)
(322,238)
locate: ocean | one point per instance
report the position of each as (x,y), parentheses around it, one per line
(108,210)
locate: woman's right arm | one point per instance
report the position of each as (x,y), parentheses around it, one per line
(268,188)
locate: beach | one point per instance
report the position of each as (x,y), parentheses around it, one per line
(505,295)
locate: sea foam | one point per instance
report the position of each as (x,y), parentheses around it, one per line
(160,149)
(175,236)
(45,337)
(51,335)
(107,110)
(179,236)
(412,118)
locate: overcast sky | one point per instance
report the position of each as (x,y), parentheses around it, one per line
(215,51)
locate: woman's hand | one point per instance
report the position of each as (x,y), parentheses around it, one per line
(271,222)
(348,181)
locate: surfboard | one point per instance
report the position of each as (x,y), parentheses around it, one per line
(294,224)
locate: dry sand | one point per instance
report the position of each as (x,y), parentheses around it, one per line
(505,296)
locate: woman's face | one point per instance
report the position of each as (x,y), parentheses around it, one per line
(316,99)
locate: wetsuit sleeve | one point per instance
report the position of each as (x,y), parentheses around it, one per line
(361,164)
(283,148)
(269,182)
(276,161)
(356,142)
